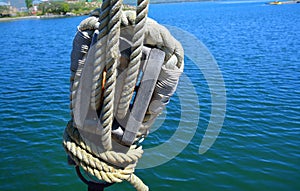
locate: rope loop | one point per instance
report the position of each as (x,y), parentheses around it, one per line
(92,186)
(101,98)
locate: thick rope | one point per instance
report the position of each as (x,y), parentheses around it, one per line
(101,167)
(100,55)
(104,18)
(135,58)
(109,164)
(116,158)
(107,115)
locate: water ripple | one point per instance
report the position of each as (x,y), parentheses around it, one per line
(257,149)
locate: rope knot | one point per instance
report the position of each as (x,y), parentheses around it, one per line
(105,77)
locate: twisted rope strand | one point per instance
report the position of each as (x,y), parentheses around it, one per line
(100,55)
(100,168)
(117,158)
(107,164)
(104,18)
(135,58)
(107,115)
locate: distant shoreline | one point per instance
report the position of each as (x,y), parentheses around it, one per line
(32,17)
(4,19)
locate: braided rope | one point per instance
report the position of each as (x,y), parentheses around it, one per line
(108,164)
(117,158)
(92,164)
(135,58)
(98,166)
(107,115)
(100,55)
(104,18)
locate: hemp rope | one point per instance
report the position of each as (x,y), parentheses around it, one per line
(135,58)
(100,55)
(113,166)
(112,59)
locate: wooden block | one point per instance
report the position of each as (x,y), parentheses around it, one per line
(144,95)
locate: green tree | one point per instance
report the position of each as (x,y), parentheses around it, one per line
(43,7)
(4,10)
(28,3)
(65,7)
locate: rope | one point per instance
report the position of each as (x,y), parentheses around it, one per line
(107,115)
(135,58)
(104,159)
(116,158)
(97,166)
(100,55)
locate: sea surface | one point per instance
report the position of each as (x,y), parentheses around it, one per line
(257,49)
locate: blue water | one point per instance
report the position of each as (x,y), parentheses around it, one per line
(257,48)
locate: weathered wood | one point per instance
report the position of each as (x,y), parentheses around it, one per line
(144,95)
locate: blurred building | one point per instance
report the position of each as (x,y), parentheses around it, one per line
(7,10)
